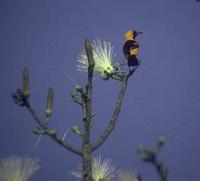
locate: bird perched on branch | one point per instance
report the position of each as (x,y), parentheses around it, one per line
(130,49)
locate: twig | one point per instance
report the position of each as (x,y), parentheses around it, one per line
(54,137)
(23,100)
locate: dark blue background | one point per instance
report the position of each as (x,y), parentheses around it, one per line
(163,97)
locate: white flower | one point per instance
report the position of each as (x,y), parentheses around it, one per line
(126,175)
(102,53)
(101,170)
(17,169)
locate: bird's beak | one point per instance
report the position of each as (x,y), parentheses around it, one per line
(138,32)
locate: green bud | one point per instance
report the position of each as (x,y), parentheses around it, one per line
(161,141)
(48,110)
(26,86)
(140,149)
(73,94)
(78,88)
(76,130)
(37,131)
(51,132)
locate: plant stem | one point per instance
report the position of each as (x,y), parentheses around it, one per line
(86,156)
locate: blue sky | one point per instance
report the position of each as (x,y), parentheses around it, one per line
(163,97)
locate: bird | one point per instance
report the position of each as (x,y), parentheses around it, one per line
(130,49)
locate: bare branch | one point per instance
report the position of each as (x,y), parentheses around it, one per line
(111,124)
(87,112)
(56,138)
(115,115)
(151,156)
(22,100)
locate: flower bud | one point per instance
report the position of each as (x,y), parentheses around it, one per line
(140,149)
(51,132)
(26,86)
(48,110)
(161,141)
(78,88)
(89,53)
(73,94)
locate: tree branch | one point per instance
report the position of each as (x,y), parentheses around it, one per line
(56,138)
(22,100)
(151,156)
(87,110)
(115,115)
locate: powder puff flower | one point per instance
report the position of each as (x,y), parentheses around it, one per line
(103,54)
(17,169)
(101,170)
